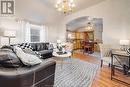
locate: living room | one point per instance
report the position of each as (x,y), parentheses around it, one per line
(64,43)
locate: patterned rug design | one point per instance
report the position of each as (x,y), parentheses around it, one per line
(75,73)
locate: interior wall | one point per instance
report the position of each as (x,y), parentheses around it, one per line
(53,32)
(115,16)
(9,24)
(128,33)
(40,11)
(37,12)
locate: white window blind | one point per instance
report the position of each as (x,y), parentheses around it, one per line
(35,35)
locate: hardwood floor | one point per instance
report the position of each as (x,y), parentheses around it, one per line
(102,78)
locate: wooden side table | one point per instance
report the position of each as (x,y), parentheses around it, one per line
(114,55)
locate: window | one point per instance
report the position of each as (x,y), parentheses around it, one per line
(35,35)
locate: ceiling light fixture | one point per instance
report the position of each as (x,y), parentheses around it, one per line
(65,6)
(89,27)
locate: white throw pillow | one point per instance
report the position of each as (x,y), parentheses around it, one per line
(26,58)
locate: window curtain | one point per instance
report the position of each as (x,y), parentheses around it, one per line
(21,32)
(42,30)
(43,33)
(27,32)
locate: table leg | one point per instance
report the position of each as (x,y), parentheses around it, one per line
(129,62)
(124,69)
(112,67)
(61,63)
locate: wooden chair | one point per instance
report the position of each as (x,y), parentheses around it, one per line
(105,54)
(87,46)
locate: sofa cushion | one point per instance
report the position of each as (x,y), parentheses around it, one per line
(45,51)
(45,54)
(34,46)
(9,59)
(39,46)
(7,47)
(42,46)
(50,46)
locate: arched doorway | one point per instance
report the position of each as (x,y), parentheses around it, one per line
(84,29)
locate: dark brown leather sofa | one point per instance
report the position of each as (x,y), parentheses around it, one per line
(37,76)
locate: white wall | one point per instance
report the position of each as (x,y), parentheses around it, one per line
(9,24)
(115,14)
(116,19)
(37,12)
(52,32)
(12,24)
(40,11)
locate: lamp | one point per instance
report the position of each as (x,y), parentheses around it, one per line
(58,41)
(9,34)
(89,27)
(124,44)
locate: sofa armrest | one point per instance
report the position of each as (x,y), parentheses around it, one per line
(45,77)
(27,77)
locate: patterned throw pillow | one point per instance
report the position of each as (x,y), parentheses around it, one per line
(25,45)
(128,51)
(27,59)
(27,48)
(30,51)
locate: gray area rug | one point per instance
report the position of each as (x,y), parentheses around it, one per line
(75,73)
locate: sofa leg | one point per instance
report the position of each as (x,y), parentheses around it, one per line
(101,63)
(109,65)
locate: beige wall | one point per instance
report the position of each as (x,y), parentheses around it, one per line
(115,16)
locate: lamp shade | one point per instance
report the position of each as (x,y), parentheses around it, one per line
(124,42)
(58,41)
(9,33)
(69,35)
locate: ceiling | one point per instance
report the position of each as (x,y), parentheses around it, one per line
(80,4)
(82,22)
(44,10)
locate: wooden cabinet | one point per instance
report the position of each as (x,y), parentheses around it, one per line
(78,37)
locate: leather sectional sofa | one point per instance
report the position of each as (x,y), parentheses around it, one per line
(37,76)
(43,49)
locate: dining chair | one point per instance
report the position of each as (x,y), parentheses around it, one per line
(105,53)
(88,47)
